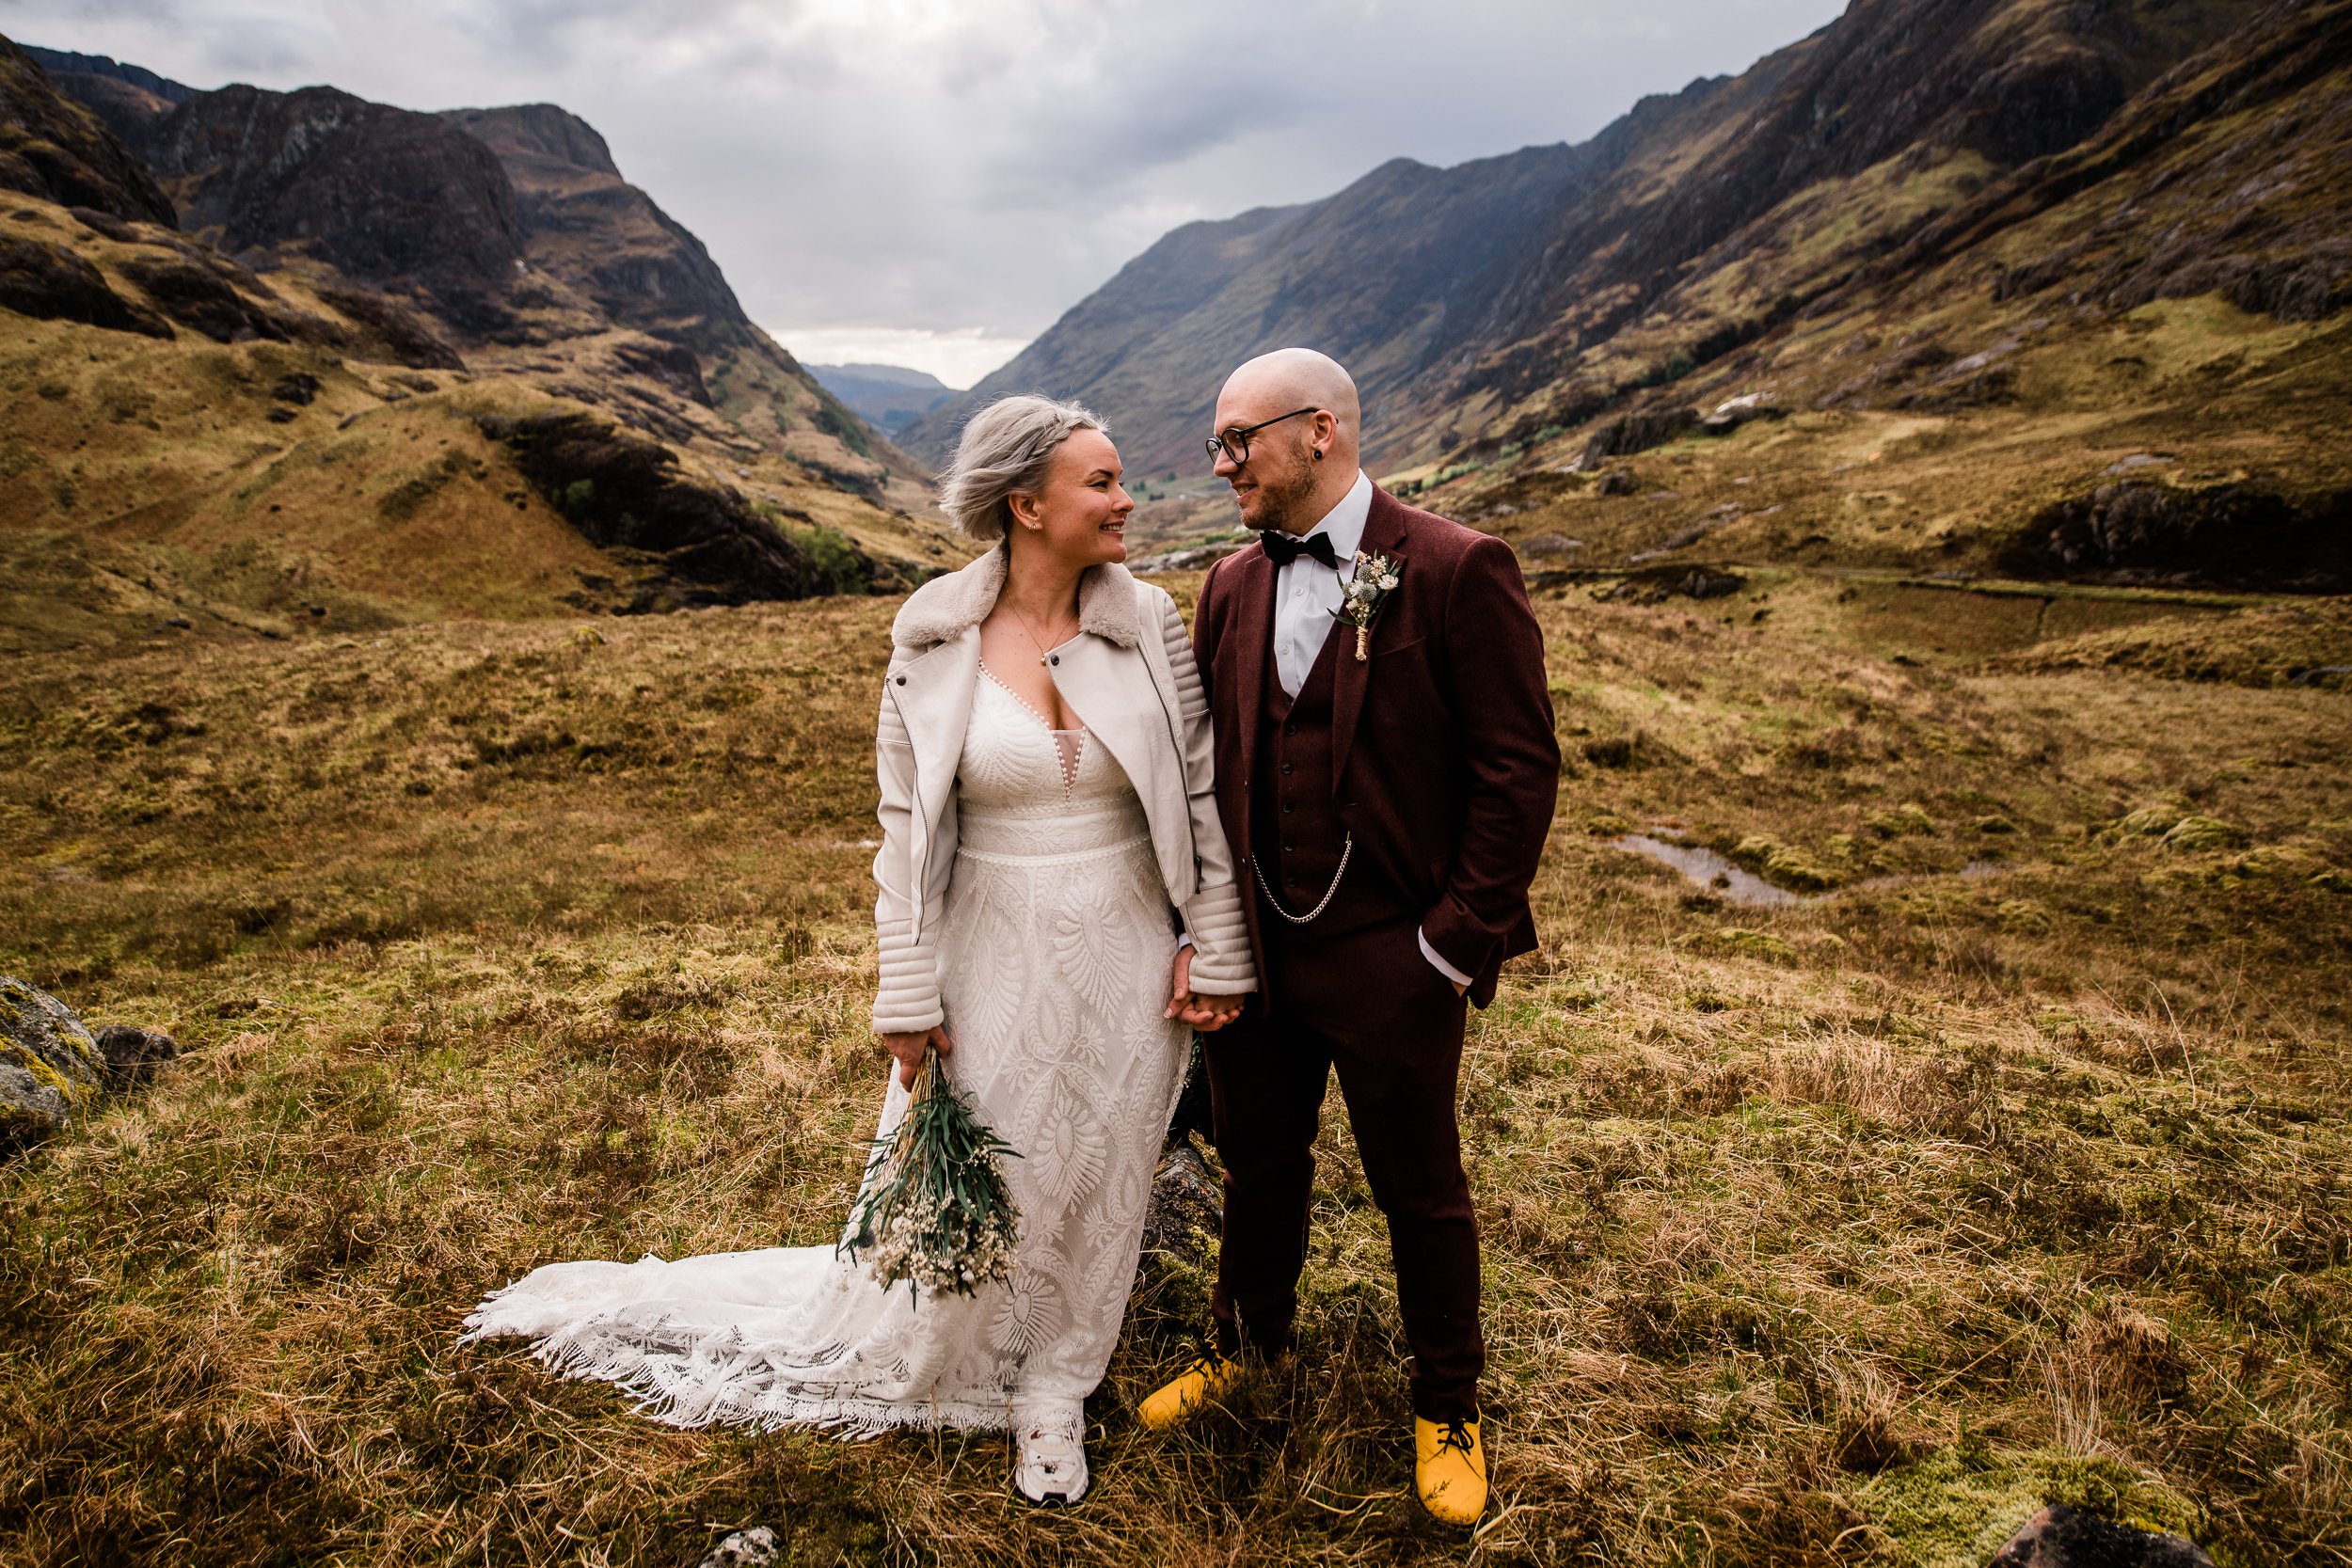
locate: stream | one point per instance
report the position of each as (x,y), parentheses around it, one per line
(1736,884)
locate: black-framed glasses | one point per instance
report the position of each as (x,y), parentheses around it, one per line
(1235,443)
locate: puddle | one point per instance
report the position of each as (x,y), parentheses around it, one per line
(1736,884)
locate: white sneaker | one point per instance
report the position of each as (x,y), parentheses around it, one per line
(1049,1456)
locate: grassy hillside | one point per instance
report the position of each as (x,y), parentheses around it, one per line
(290,487)
(2013,1165)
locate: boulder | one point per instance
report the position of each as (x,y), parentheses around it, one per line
(1730,414)
(134,1055)
(1186,1211)
(51,1070)
(2063,1537)
(1544,547)
(1634,433)
(2204,832)
(745,1548)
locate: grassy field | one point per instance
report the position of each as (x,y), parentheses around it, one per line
(2012,1166)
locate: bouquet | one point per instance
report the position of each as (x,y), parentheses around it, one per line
(935,1211)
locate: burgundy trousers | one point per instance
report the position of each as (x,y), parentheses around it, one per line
(1363,1001)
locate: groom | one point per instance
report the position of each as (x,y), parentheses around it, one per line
(1386,768)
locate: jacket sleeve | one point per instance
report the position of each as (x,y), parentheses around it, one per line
(907,999)
(1510,750)
(1220,960)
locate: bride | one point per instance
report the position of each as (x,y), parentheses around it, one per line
(1056,908)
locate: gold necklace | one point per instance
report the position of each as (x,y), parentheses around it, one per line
(1027,632)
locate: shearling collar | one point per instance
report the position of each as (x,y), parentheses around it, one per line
(948,607)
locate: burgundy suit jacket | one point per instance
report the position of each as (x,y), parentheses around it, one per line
(1444,759)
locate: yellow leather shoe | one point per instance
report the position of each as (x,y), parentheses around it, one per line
(1174,1400)
(1449,1471)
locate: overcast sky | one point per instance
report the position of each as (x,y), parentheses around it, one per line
(932,182)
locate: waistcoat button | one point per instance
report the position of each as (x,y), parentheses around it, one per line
(902,680)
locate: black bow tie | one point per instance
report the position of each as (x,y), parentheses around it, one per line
(1282,548)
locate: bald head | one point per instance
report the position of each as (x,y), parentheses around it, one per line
(1293,378)
(1300,422)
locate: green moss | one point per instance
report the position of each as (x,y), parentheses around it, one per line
(1957,1508)
(2204,832)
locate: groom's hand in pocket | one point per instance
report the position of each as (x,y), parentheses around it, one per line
(908,1048)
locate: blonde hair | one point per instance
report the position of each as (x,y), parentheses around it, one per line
(1006,450)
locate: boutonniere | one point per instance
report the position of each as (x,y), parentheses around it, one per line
(1366,592)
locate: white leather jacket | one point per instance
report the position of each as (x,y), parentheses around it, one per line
(1130,677)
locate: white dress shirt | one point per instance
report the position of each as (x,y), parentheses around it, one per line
(1307,596)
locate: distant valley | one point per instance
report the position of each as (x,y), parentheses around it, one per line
(889,397)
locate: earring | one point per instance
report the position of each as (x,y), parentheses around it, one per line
(1318,454)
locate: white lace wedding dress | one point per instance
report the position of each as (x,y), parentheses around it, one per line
(1053,958)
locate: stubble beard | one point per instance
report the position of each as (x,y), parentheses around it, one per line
(1281,500)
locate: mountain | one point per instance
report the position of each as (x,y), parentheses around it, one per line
(295,361)
(1918,185)
(890,397)
(48,149)
(56,60)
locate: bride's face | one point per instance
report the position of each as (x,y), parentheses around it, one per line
(1080,515)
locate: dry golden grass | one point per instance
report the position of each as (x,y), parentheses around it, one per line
(1840,1233)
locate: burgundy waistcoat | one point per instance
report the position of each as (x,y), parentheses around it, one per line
(1298,835)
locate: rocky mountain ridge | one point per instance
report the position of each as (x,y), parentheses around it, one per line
(1859,237)
(483,269)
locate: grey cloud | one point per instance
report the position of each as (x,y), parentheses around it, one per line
(966,164)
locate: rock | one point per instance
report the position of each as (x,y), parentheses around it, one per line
(298,388)
(2204,832)
(2151,821)
(50,283)
(51,1070)
(134,1055)
(1614,482)
(1186,1209)
(2236,535)
(1199,558)
(1634,433)
(1732,413)
(620,489)
(1544,546)
(745,1548)
(2061,1537)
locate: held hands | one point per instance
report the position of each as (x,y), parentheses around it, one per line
(1207,1014)
(909,1050)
